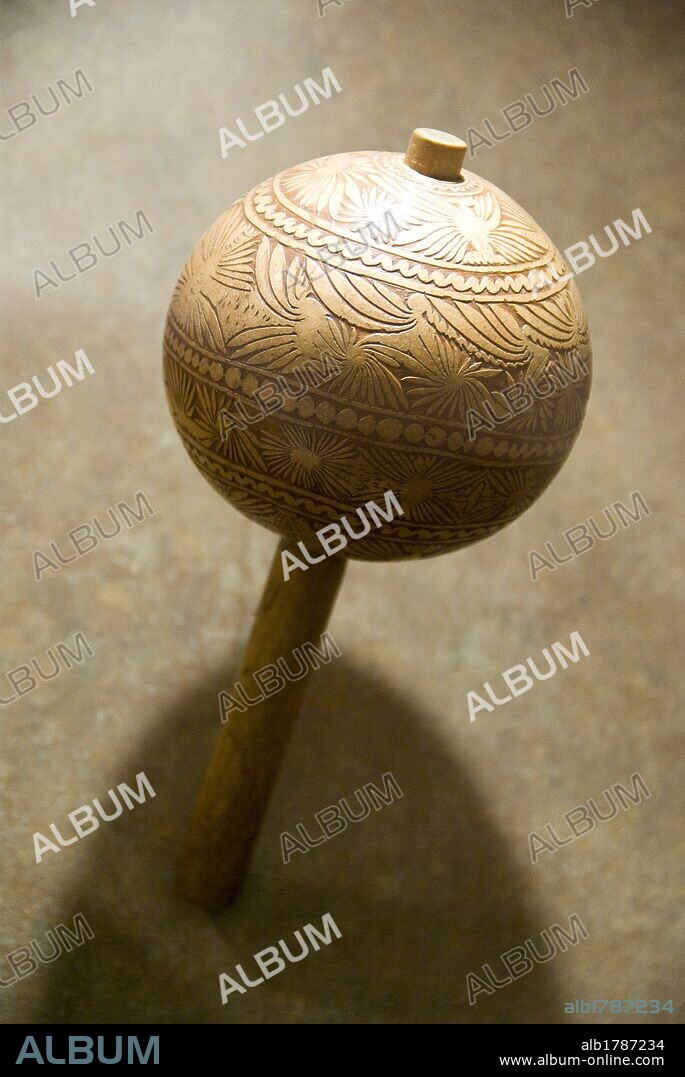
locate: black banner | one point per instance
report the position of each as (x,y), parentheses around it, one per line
(497,1046)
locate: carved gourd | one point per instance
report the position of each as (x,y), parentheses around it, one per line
(367,322)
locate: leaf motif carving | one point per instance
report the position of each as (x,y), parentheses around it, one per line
(280,287)
(269,346)
(180,386)
(550,322)
(486,329)
(365,303)
(540,358)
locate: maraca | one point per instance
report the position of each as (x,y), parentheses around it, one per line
(363,325)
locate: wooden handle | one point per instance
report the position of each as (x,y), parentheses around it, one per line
(238,782)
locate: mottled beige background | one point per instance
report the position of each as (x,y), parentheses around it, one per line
(439,883)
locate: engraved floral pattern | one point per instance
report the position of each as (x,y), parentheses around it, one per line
(224,257)
(371,363)
(447,381)
(310,459)
(319,185)
(476,231)
(423,291)
(372,212)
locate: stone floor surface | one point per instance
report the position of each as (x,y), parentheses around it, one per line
(441,882)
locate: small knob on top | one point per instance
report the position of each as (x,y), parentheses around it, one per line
(436,154)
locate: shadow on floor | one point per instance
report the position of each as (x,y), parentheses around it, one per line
(422,890)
